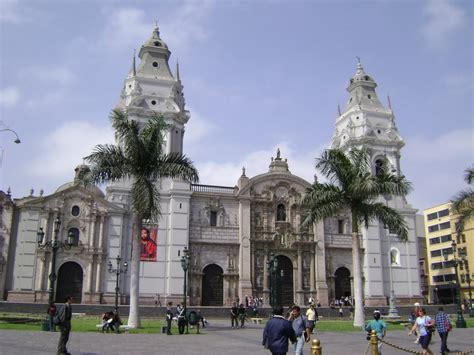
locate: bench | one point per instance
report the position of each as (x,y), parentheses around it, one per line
(257,320)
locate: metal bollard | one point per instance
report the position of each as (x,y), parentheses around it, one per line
(374,343)
(316,347)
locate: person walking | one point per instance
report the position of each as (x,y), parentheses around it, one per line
(423,324)
(417,314)
(311,315)
(380,328)
(242,315)
(169,318)
(277,332)
(51,313)
(63,319)
(443,325)
(301,327)
(234,312)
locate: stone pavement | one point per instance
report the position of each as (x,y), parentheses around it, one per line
(217,339)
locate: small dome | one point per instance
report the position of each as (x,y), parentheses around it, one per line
(155,40)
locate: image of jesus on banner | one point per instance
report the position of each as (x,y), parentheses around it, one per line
(148,243)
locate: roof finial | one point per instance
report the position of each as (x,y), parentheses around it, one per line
(243,171)
(133,70)
(338,109)
(177,70)
(389,102)
(278,154)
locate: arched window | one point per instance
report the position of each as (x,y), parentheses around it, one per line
(394,257)
(75,234)
(379,167)
(281,213)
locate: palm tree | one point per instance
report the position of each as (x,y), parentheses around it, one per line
(139,158)
(463,202)
(353,188)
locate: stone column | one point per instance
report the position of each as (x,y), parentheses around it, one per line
(40,275)
(89,276)
(311,272)
(101,232)
(98,277)
(245,283)
(92,231)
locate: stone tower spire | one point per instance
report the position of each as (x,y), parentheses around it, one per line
(365,121)
(150,88)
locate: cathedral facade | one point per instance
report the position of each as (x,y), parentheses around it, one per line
(232,232)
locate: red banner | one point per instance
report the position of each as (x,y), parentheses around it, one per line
(148,237)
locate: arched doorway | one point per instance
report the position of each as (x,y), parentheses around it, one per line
(342,282)
(212,286)
(284,281)
(70,278)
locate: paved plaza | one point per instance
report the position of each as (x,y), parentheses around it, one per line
(217,339)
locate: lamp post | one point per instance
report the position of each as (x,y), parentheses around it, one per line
(272,265)
(185,264)
(54,245)
(17,140)
(467,276)
(460,322)
(120,269)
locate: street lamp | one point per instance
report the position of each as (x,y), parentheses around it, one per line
(120,269)
(17,140)
(272,265)
(54,245)
(460,322)
(185,264)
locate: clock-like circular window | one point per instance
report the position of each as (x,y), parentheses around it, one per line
(75,211)
(155,64)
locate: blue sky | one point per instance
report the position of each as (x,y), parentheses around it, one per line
(257,75)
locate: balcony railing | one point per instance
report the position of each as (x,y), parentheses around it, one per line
(212,189)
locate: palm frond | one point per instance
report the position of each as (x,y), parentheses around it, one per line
(469,175)
(335,165)
(322,201)
(463,206)
(389,216)
(175,165)
(108,163)
(145,198)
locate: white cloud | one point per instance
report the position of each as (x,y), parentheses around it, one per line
(127,27)
(197,129)
(57,154)
(435,165)
(11,11)
(58,75)
(227,173)
(443,18)
(9,97)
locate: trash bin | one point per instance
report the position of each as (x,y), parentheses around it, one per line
(192,318)
(45,325)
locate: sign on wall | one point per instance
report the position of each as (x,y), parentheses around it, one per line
(148,235)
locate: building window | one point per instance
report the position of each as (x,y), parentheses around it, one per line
(340,226)
(434,228)
(463,238)
(438,278)
(445,225)
(394,256)
(75,211)
(435,253)
(450,277)
(432,216)
(443,213)
(281,213)
(445,238)
(435,240)
(436,266)
(75,234)
(155,64)
(379,167)
(213,219)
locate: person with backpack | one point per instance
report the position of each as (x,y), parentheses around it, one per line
(379,326)
(301,327)
(425,326)
(63,320)
(443,325)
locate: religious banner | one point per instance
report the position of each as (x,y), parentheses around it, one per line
(148,235)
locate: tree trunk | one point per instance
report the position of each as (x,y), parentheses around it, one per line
(134,316)
(357,275)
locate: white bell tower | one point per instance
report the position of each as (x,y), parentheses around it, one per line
(366,122)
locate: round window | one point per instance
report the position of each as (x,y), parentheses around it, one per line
(155,64)
(153,102)
(75,211)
